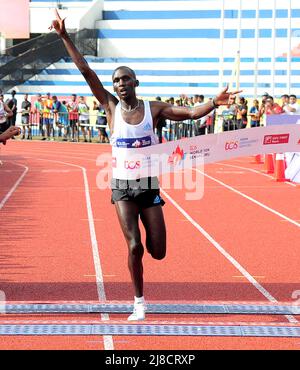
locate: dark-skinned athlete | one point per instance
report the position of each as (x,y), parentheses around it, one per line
(128,118)
(9,133)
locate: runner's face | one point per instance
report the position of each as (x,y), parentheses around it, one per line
(124,83)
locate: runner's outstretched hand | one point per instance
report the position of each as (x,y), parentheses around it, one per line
(223,97)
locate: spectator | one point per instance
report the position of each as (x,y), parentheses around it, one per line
(228,115)
(64,119)
(12,105)
(55,110)
(242,111)
(37,111)
(47,115)
(25,112)
(190,102)
(264,97)
(101,121)
(285,102)
(84,118)
(293,107)
(254,114)
(72,106)
(271,107)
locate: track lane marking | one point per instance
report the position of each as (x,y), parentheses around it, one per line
(287,219)
(13,189)
(233,261)
(107,339)
(254,171)
(281,215)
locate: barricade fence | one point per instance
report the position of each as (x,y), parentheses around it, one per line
(90,126)
(63,125)
(75,126)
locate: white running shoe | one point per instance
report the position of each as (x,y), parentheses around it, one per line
(138,312)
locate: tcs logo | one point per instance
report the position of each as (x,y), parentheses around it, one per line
(132,165)
(231,145)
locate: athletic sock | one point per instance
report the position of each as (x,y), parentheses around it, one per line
(139,300)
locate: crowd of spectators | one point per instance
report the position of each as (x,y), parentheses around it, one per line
(69,119)
(237,114)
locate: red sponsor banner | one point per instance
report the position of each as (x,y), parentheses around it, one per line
(276,139)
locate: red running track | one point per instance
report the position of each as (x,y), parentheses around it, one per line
(239,242)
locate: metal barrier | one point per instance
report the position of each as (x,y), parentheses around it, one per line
(74,126)
(178,130)
(62,125)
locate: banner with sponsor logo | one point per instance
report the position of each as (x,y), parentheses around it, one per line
(133,163)
(282,119)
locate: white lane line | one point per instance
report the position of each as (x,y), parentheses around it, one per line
(254,171)
(12,190)
(281,215)
(55,171)
(107,339)
(61,155)
(233,261)
(231,172)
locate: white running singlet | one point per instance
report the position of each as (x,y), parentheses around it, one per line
(128,136)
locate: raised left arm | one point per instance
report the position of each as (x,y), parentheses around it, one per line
(176,113)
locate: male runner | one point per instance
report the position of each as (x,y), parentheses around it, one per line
(129,118)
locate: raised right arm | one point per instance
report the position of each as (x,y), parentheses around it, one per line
(105,98)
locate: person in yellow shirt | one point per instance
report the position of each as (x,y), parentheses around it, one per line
(48,116)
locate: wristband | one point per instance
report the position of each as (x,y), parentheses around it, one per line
(214,103)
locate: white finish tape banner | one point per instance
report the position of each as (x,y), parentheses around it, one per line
(173,156)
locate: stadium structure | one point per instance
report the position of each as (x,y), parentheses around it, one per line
(176,47)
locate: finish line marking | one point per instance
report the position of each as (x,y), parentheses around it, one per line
(248,309)
(151,330)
